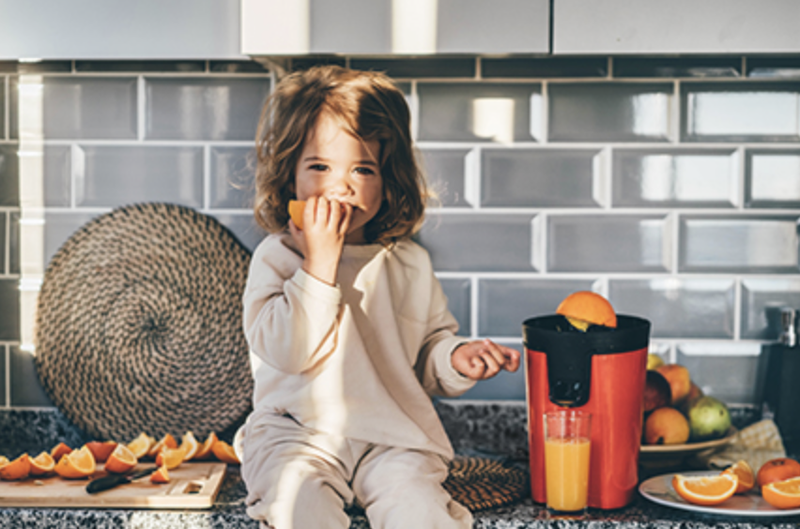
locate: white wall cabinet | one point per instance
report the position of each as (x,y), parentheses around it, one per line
(616,27)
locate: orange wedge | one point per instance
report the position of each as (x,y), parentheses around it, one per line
(170,457)
(189,445)
(584,308)
(160,476)
(3,460)
(165,442)
(705,490)
(141,445)
(782,494)
(101,449)
(77,464)
(19,468)
(121,460)
(59,450)
(296,208)
(42,464)
(204,452)
(747,478)
(224,452)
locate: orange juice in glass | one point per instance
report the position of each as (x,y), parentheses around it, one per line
(567,444)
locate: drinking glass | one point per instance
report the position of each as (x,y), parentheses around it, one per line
(567,445)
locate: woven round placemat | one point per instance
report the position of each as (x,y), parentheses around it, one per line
(480,483)
(139,325)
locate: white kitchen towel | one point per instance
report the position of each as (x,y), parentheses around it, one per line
(756,444)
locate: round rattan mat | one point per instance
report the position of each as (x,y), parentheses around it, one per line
(138,325)
(480,483)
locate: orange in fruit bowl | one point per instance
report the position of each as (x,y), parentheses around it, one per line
(705,490)
(777,469)
(170,457)
(19,468)
(204,452)
(225,452)
(121,460)
(77,464)
(296,208)
(783,494)
(747,478)
(59,451)
(160,476)
(101,449)
(42,464)
(584,308)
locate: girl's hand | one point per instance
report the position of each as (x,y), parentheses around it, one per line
(325,224)
(483,359)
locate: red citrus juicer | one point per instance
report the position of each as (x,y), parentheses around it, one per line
(601,371)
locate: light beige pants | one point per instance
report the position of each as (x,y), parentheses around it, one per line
(298,478)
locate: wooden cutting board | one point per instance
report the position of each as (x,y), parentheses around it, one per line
(191,486)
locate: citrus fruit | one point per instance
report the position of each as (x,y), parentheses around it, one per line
(19,468)
(141,445)
(666,426)
(296,208)
(705,490)
(59,450)
(584,308)
(160,476)
(782,494)
(170,457)
(654,361)
(747,478)
(121,460)
(101,449)
(680,383)
(224,452)
(42,464)
(3,460)
(189,445)
(77,464)
(777,469)
(165,442)
(204,452)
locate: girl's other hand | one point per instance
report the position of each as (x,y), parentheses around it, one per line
(325,224)
(483,359)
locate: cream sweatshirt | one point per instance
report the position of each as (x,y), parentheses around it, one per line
(360,359)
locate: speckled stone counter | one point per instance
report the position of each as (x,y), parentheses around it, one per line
(475,427)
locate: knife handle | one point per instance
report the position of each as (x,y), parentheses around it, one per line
(105,483)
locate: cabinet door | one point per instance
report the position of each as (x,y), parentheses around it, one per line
(402,27)
(675,26)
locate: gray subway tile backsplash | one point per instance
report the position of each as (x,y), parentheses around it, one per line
(675,178)
(727,244)
(652,180)
(116,176)
(203,108)
(608,243)
(541,178)
(610,111)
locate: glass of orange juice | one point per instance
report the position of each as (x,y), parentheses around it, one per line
(567,443)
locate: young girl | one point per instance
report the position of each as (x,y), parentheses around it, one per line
(348,327)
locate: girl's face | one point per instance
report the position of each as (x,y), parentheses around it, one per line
(338,166)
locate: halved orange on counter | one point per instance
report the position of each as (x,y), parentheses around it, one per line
(170,457)
(77,464)
(296,208)
(165,442)
(160,476)
(782,494)
(19,468)
(60,450)
(141,445)
(225,452)
(747,478)
(204,452)
(189,445)
(101,449)
(121,460)
(584,308)
(42,464)
(705,490)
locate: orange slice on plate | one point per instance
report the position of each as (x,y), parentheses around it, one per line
(160,476)
(747,478)
(121,460)
(584,308)
(705,490)
(204,452)
(296,208)
(42,464)
(77,464)
(225,452)
(19,468)
(782,494)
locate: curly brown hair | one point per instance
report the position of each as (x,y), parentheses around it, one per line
(370,107)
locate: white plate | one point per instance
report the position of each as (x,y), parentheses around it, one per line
(659,490)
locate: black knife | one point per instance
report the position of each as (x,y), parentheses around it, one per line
(109,482)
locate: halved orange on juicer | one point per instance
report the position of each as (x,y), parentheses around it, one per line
(584,308)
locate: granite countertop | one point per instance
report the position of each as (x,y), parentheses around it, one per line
(490,428)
